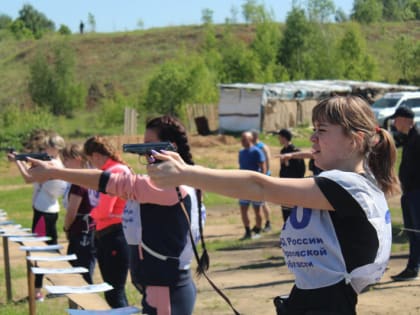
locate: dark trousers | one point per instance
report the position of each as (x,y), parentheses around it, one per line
(338,299)
(83,245)
(44,224)
(112,256)
(410,204)
(182,299)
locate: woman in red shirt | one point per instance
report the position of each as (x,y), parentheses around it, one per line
(111,246)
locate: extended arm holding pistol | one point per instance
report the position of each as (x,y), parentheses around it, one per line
(37,156)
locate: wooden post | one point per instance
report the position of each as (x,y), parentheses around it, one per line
(130,121)
(7,268)
(31,286)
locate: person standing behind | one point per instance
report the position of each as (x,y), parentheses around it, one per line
(302,155)
(251,158)
(409,174)
(78,224)
(292,168)
(111,246)
(266,150)
(45,196)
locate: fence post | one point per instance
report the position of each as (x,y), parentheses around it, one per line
(7,268)
(130,121)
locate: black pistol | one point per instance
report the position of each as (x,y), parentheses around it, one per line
(37,156)
(7,149)
(145,149)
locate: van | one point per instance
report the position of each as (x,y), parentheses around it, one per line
(384,107)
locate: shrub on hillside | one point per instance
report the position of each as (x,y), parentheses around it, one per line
(52,84)
(17,123)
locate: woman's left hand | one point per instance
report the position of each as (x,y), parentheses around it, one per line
(169,172)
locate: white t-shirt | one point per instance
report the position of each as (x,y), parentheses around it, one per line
(46,194)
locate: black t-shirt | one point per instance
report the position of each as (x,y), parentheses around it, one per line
(295,168)
(359,245)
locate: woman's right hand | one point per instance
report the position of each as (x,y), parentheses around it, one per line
(40,171)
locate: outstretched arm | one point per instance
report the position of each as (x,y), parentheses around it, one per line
(42,171)
(238,183)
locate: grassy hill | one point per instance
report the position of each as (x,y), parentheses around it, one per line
(127,60)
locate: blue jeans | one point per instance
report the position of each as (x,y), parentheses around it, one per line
(112,256)
(410,204)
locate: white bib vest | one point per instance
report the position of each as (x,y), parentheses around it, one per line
(311,248)
(132,227)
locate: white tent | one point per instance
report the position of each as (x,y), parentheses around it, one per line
(245,106)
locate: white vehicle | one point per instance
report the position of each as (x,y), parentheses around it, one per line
(386,106)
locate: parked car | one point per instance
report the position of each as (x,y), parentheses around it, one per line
(386,106)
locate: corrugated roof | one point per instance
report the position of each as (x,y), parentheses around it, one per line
(314,89)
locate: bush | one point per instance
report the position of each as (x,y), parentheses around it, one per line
(64,30)
(17,123)
(53,84)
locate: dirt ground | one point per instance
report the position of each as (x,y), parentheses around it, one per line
(253,274)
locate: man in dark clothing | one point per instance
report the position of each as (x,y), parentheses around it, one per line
(293,168)
(409,175)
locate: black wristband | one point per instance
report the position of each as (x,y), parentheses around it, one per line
(103,181)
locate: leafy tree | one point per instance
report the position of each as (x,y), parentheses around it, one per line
(19,30)
(35,21)
(53,85)
(17,123)
(416,69)
(294,43)
(367,11)
(64,30)
(340,16)
(5,21)
(407,58)
(91,22)
(415,8)
(239,64)
(179,82)
(111,112)
(354,62)
(320,10)
(265,46)
(398,10)
(207,16)
(234,14)
(251,11)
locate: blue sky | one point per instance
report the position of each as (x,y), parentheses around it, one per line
(122,15)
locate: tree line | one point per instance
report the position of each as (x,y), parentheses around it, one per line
(307,46)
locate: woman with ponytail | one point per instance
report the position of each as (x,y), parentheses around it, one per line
(337,239)
(160,225)
(111,247)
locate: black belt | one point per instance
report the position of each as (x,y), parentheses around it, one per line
(108,230)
